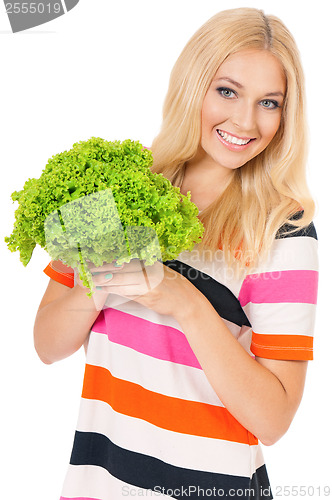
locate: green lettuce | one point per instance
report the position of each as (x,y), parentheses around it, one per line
(100,202)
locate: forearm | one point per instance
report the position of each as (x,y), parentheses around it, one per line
(251,392)
(62,326)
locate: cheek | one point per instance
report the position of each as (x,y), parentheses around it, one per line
(211,113)
(207,118)
(270,127)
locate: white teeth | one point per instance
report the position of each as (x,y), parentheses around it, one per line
(231,139)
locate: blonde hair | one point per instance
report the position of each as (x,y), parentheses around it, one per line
(264,193)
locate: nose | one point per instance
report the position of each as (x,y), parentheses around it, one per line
(244,118)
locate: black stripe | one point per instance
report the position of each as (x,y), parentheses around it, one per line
(221,297)
(153,474)
(260,484)
(306,231)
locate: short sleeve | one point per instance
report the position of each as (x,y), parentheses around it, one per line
(280,298)
(57,271)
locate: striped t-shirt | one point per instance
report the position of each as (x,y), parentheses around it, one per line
(150,424)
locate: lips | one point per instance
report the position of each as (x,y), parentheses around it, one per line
(234,139)
(233,143)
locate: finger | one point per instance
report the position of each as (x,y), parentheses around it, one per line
(125,291)
(118,279)
(132,265)
(112,266)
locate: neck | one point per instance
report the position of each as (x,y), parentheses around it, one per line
(203,174)
(205,182)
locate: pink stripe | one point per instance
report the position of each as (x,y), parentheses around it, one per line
(280,286)
(158,341)
(78,498)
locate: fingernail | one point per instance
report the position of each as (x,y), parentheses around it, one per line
(118,265)
(99,287)
(108,276)
(95,274)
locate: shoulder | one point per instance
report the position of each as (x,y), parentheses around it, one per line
(290,251)
(308,231)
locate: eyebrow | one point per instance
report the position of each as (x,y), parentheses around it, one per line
(240,86)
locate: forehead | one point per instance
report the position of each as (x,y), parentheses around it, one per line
(254,68)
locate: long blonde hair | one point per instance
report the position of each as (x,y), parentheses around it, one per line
(264,193)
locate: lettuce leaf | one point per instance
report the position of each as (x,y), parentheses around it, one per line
(100,202)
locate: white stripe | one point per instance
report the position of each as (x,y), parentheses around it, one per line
(157,375)
(257,458)
(283,319)
(96,482)
(298,253)
(181,450)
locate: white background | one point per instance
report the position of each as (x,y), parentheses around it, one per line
(102,70)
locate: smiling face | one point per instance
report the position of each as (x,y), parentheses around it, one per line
(242,108)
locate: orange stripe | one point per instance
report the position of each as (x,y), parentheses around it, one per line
(174,414)
(61,274)
(291,347)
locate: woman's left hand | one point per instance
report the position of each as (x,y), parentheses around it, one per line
(157,287)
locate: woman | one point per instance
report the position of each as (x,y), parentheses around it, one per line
(185,378)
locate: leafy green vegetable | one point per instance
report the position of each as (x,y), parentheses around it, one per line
(98,202)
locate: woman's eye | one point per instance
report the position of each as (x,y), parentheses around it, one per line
(267,103)
(229,93)
(225,92)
